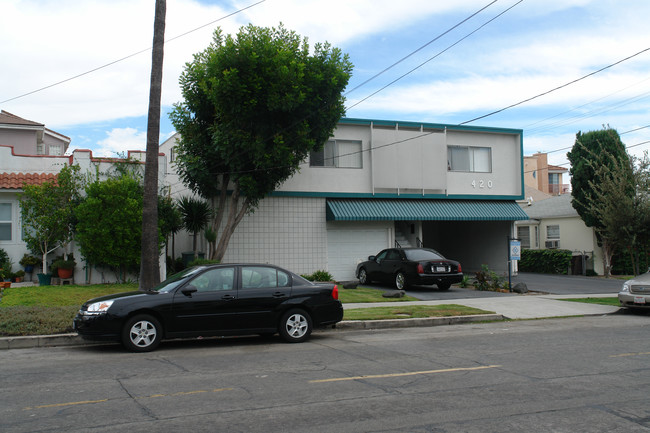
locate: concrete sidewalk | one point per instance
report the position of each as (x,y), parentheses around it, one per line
(519,307)
(502,307)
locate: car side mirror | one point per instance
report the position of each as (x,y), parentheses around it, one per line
(187,291)
(371,258)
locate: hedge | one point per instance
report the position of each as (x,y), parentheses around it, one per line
(545,261)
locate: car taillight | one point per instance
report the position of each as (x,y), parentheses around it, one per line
(420,268)
(460,269)
(335,292)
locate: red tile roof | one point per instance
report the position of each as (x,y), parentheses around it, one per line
(16,180)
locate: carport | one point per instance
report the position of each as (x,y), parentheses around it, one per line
(474,232)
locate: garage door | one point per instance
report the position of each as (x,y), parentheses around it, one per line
(347,247)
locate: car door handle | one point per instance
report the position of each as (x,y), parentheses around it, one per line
(279,295)
(227,297)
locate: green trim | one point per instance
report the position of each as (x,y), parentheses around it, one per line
(357,121)
(423,210)
(353,195)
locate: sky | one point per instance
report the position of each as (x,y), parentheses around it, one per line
(549,67)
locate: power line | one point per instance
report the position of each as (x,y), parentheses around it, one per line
(431,58)
(556,88)
(129,56)
(421,48)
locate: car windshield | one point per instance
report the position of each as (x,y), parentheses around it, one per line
(420,255)
(175,280)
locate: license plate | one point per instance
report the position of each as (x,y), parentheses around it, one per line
(639,300)
(441,269)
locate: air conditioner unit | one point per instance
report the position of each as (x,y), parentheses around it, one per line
(553,244)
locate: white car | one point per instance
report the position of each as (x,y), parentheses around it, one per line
(636,292)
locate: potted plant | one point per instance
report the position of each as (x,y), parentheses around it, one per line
(64,267)
(29,262)
(19,275)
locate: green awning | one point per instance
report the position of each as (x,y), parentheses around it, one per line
(423,210)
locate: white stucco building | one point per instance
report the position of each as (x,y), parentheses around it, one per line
(377,183)
(31,153)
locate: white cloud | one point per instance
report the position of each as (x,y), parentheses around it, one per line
(120,141)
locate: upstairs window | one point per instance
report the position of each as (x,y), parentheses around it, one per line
(337,153)
(469,158)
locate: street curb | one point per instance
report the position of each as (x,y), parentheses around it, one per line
(60,340)
(411,323)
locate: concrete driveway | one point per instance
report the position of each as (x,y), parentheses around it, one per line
(543,283)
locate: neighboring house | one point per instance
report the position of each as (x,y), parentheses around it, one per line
(555,224)
(546,178)
(376,184)
(33,154)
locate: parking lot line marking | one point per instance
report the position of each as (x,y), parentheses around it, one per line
(44,406)
(411,373)
(176,394)
(629,354)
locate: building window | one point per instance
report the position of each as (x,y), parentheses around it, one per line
(468,158)
(337,153)
(553,232)
(56,150)
(5,221)
(523,233)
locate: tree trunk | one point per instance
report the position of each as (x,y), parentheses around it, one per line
(607,257)
(235,216)
(149,258)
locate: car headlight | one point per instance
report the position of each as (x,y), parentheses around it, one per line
(99,307)
(626,288)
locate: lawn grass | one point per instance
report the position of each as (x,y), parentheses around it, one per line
(366,294)
(601,301)
(411,312)
(45,310)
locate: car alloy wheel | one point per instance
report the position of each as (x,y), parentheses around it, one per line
(400,281)
(295,326)
(363,276)
(141,333)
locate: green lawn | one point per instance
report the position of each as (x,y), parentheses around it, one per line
(411,312)
(601,301)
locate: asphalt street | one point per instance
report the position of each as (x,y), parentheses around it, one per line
(583,374)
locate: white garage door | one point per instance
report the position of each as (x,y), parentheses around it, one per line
(347,247)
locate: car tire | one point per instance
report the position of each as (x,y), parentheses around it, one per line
(141,333)
(400,281)
(363,276)
(295,326)
(443,286)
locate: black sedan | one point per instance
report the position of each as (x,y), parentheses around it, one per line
(410,266)
(233,299)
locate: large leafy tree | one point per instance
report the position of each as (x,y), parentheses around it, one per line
(601,174)
(624,217)
(109,227)
(47,212)
(255,105)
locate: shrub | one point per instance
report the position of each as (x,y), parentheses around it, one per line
(319,276)
(199,262)
(545,261)
(485,279)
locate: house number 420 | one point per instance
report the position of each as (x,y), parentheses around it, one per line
(481,184)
